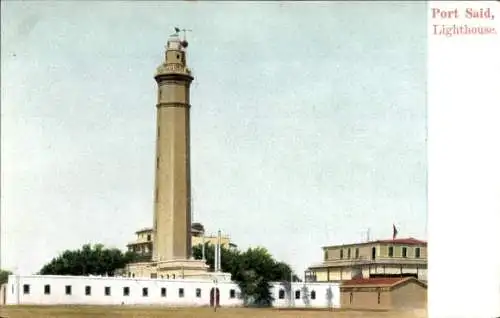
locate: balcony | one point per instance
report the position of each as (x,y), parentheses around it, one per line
(364,260)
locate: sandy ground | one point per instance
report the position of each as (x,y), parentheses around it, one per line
(136,312)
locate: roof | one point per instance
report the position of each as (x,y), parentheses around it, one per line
(406,241)
(402,241)
(379,282)
(146,229)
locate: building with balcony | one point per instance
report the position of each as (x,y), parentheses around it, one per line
(405,257)
(143,244)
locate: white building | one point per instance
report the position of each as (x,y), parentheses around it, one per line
(90,290)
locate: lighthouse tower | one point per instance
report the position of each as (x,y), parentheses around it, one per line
(172,197)
(171,255)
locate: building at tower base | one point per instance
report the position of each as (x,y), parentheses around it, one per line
(92,290)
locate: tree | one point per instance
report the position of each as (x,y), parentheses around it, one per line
(253,270)
(4,276)
(89,260)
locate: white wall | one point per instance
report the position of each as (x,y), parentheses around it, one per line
(326,294)
(16,295)
(316,295)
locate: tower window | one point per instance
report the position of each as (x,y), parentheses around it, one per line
(178,56)
(149,237)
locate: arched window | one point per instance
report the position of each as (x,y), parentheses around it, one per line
(297,294)
(281,294)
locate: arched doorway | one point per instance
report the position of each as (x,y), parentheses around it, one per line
(216,298)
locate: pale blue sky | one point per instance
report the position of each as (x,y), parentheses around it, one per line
(308,123)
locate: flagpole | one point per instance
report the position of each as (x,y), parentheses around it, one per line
(215,257)
(219,251)
(203,245)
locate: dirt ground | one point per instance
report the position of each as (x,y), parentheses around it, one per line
(139,312)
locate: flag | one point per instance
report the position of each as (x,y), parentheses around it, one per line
(394,231)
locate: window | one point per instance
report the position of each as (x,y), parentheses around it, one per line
(403,252)
(232,293)
(133,275)
(325,255)
(145,292)
(163,292)
(281,294)
(153,275)
(351,298)
(173,276)
(26,289)
(168,276)
(181,292)
(391,251)
(107,291)
(126,291)
(149,235)
(297,294)
(348,253)
(198,292)
(417,252)
(313,294)
(67,289)
(378,297)
(374,252)
(341,254)
(87,290)
(46,289)
(357,253)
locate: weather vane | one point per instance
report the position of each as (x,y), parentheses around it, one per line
(184,42)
